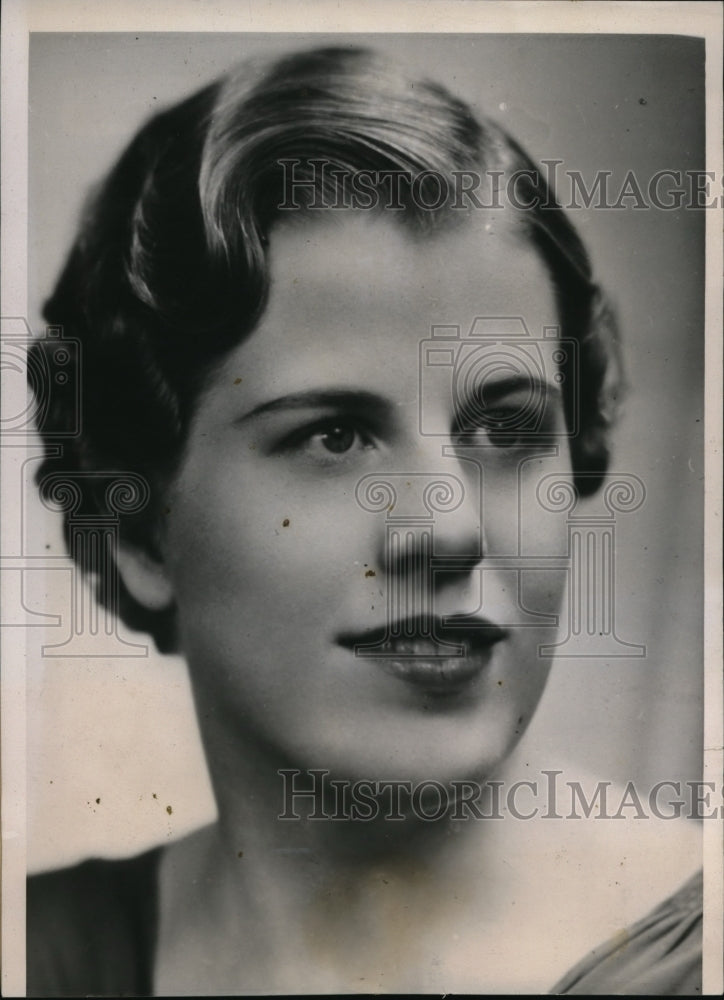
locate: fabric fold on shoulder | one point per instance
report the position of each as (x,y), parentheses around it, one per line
(660,954)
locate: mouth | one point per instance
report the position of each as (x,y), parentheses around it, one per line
(427,653)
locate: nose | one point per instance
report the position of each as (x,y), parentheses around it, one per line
(458,532)
(432,515)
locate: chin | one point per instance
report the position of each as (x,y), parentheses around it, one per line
(440,751)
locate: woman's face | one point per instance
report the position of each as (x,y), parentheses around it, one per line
(283,562)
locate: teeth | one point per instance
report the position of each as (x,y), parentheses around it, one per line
(445,643)
(439,664)
(415,647)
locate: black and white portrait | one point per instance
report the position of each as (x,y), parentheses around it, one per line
(359,602)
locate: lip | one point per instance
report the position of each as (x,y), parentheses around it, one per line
(429,654)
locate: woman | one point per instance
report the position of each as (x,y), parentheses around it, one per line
(361,342)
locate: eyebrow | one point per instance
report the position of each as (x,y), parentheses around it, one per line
(495,389)
(351,399)
(370,403)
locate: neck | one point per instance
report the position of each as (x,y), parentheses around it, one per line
(332,896)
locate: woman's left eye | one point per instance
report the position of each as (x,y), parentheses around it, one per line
(497,429)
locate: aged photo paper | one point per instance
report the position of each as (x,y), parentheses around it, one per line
(377,589)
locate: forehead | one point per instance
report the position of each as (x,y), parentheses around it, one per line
(484,253)
(353,291)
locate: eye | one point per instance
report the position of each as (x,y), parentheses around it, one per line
(507,427)
(338,439)
(501,430)
(331,441)
(496,427)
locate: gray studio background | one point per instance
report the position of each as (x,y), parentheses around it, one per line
(121,730)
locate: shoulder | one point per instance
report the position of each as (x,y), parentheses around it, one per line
(660,954)
(605,879)
(640,891)
(91,928)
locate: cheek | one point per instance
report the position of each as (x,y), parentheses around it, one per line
(515,520)
(240,541)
